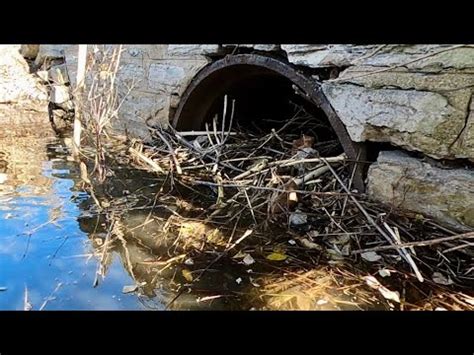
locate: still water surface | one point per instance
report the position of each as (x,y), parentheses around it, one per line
(42,247)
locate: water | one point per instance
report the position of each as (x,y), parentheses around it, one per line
(42,247)
(51,233)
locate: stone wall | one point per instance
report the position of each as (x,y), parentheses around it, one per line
(444,194)
(156,74)
(418,98)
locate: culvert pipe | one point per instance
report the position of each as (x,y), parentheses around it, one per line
(246,70)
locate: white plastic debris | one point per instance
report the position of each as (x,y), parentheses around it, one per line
(239,281)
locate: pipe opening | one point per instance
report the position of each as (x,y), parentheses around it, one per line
(268,101)
(268,94)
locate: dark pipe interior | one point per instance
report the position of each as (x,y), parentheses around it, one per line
(263,91)
(267,100)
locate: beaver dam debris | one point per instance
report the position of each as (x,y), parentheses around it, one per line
(277,198)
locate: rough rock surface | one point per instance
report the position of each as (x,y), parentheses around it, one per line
(58,74)
(49,52)
(257,47)
(186,50)
(421,105)
(343,55)
(447,195)
(23,100)
(29,51)
(414,119)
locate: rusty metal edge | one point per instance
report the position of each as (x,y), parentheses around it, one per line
(309,86)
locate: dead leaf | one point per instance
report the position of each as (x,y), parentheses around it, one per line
(439,278)
(187,275)
(372,281)
(313,234)
(248,260)
(390,295)
(309,244)
(386,293)
(371,256)
(277,256)
(239,255)
(129,289)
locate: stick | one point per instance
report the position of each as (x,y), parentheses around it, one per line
(51,295)
(311,175)
(81,70)
(204,155)
(171,150)
(421,243)
(231,122)
(208,183)
(163,262)
(408,257)
(459,247)
(362,209)
(200,133)
(27,306)
(223,119)
(146,160)
(289,162)
(104,254)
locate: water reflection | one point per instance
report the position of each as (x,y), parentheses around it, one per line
(52,238)
(41,244)
(55,241)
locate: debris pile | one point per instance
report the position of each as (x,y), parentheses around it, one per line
(290,184)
